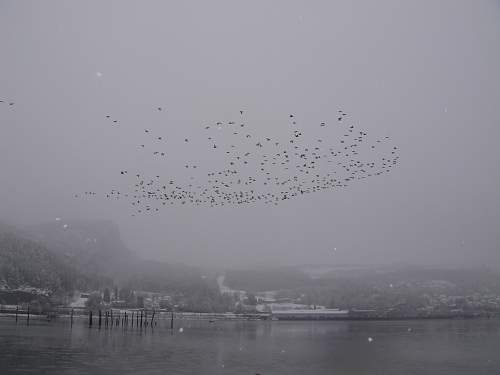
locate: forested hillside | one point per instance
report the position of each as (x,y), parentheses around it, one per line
(25,263)
(57,259)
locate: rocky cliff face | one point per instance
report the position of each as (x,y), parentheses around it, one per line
(92,245)
(86,255)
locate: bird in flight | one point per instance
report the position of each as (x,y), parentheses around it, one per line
(271,170)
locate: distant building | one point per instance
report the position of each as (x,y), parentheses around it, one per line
(287,306)
(318,314)
(80,300)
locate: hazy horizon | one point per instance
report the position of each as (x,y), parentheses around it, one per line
(424,73)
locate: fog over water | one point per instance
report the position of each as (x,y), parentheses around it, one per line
(424,73)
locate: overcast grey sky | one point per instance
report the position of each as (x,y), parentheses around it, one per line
(424,72)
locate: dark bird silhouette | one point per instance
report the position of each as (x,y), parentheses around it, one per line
(276,172)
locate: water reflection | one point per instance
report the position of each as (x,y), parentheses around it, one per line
(406,347)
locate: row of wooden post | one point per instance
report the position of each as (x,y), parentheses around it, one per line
(27,316)
(110,320)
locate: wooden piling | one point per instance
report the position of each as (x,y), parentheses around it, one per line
(71,317)
(28,318)
(90,318)
(112,322)
(172,321)
(141,318)
(100,319)
(152,319)
(17,310)
(132,320)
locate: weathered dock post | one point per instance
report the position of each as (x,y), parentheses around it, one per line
(132,320)
(137,318)
(28,318)
(141,318)
(17,310)
(72,317)
(100,319)
(112,322)
(172,321)
(152,319)
(145,318)
(90,318)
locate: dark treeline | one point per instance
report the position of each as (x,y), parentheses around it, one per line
(24,262)
(373,287)
(48,264)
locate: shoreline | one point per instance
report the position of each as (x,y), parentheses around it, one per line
(214,317)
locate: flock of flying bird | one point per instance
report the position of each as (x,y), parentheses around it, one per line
(259,169)
(256,168)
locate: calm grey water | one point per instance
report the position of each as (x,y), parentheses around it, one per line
(429,347)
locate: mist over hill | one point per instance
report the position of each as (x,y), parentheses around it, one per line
(94,245)
(58,258)
(29,265)
(402,289)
